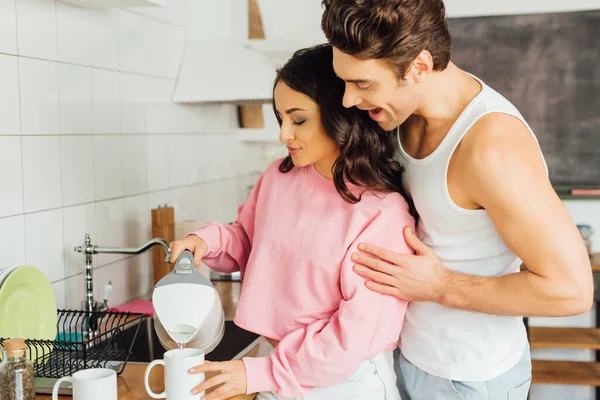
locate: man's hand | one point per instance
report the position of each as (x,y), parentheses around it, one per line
(231,377)
(420,277)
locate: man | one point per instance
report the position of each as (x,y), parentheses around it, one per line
(480,185)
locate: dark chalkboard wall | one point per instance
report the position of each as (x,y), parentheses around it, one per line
(548,66)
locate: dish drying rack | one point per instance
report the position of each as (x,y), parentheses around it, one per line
(75,349)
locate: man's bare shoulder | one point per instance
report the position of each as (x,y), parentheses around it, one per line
(498,133)
(498,150)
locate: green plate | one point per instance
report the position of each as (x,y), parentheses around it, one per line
(28,308)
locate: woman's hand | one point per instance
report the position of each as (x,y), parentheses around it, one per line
(231,377)
(192,243)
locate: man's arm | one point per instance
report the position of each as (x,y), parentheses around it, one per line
(506,176)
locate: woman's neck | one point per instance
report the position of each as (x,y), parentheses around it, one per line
(325,166)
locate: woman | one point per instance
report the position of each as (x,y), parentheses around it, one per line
(326,334)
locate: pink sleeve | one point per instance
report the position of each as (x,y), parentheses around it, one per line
(366,323)
(229,245)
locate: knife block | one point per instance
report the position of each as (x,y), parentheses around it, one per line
(163,226)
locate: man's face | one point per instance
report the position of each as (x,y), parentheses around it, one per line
(372,85)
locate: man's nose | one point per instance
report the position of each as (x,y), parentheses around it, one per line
(350,99)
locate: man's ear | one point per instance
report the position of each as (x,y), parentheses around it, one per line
(420,67)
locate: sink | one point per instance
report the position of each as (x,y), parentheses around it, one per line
(147,347)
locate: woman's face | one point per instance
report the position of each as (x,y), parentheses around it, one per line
(301,130)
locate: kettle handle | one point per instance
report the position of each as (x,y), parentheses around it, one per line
(185,263)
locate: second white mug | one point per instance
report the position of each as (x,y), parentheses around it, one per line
(90,384)
(178,381)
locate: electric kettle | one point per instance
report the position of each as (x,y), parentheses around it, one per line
(187,308)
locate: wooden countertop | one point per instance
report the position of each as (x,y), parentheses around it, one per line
(130,384)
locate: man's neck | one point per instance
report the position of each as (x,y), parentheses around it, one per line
(446,96)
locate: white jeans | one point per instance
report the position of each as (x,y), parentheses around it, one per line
(374,379)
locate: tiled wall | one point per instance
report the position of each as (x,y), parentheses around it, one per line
(90,141)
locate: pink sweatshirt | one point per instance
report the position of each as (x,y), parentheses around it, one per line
(292,242)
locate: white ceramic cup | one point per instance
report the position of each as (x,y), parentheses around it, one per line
(90,384)
(178,381)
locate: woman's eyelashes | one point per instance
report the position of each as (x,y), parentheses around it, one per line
(299,122)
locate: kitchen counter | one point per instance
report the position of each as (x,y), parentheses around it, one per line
(130,384)
(131,381)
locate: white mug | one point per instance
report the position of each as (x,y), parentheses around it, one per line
(178,380)
(90,384)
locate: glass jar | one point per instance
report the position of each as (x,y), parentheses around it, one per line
(586,233)
(16,372)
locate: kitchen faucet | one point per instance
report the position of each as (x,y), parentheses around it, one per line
(90,305)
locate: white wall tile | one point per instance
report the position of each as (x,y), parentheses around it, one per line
(132,94)
(104,38)
(75,94)
(155,48)
(107,167)
(10,111)
(60,294)
(39,96)
(8,27)
(159,13)
(73,33)
(162,115)
(77,221)
(160,198)
(12,237)
(11,176)
(36,24)
(110,229)
(181,160)
(176,12)
(77,154)
(74,154)
(44,235)
(132,54)
(42,188)
(139,275)
(158,162)
(116,273)
(188,202)
(75,292)
(136,217)
(134,156)
(175,47)
(106,113)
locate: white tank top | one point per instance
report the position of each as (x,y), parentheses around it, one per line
(446,342)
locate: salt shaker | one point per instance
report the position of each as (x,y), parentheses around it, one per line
(16,372)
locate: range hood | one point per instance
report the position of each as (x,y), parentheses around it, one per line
(229,71)
(224,62)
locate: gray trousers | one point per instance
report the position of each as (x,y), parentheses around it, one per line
(416,384)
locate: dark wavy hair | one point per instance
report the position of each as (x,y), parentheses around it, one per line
(367,152)
(393,30)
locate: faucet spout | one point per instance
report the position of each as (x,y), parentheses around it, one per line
(151,243)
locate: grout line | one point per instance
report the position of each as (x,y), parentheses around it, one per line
(174,25)
(92,66)
(169,134)
(228,178)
